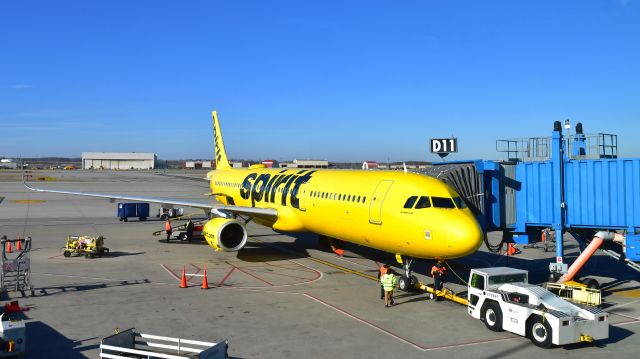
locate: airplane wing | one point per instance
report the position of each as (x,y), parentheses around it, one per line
(266,213)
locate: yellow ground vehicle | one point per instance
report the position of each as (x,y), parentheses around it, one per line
(85,245)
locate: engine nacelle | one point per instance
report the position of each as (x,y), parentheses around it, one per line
(224,234)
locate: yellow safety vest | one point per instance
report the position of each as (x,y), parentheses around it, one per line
(388,282)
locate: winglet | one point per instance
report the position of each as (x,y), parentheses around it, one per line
(221,155)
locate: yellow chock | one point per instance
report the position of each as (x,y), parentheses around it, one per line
(586,338)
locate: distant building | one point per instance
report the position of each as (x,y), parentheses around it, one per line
(306,164)
(198,164)
(8,163)
(270,163)
(410,166)
(370,165)
(118,160)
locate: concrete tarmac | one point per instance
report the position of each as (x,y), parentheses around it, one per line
(275,299)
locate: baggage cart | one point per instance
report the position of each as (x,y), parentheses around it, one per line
(132,344)
(129,210)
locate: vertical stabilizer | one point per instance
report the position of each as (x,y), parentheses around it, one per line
(221,155)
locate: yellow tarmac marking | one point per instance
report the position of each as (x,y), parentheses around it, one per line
(28,201)
(344,269)
(632,293)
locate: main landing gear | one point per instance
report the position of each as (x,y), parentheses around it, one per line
(407,281)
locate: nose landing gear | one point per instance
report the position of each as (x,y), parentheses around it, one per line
(407,281)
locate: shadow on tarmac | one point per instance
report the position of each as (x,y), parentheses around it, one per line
(47,291)
(121,254)
(46,342)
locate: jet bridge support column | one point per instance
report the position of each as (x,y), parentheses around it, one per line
(559,206)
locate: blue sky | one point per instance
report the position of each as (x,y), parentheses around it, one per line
(336,80)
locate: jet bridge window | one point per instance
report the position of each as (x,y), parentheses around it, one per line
(443,202)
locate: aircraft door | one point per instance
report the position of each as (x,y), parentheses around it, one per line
(302,196)
(375,209)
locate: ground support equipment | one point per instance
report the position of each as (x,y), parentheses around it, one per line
(13,337)
(132,344)
(87,246)
(16,266)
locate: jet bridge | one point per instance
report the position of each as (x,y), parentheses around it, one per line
(565,183)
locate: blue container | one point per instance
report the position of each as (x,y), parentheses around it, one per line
(633,247)
(128,210)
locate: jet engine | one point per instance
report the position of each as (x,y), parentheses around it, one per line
(225,234)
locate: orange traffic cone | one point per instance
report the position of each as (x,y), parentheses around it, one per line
(8,247)
(512,250)
(183,282)
(205,283)
(19,245)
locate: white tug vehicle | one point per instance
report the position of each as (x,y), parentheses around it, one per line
(503,298)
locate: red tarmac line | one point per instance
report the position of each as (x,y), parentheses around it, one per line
(284,275)
(227,276)
(174,275)
(254,276)
(293,266)
(404,340)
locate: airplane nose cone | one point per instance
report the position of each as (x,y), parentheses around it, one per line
(467,236)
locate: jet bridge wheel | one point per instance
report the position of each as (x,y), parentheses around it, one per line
(539,332)
(492,316)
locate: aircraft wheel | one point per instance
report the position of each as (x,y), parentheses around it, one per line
(67,254)
(405,284)
(414,282)
(540,332)
(492,316)
(591,283)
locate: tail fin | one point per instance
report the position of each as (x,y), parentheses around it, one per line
(221,155)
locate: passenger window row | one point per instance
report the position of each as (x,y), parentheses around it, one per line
(227,184)
(338,196)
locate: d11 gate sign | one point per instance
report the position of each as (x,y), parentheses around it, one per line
(444,146)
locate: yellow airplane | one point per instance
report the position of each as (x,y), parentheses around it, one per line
(410,215)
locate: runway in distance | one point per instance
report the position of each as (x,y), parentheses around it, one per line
(407,214)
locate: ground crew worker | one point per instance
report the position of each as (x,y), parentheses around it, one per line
(437,272)
(382,271)
(167,228)
(189,230)
(388,282)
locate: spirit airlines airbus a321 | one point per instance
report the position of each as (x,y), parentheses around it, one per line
(410,215)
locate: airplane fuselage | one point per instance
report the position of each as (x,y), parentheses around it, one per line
(404,213)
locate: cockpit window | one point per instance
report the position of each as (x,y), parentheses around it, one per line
(460,202)
(443,202)
(423,202)
(410,201)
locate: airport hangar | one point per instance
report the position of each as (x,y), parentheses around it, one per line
(119,160)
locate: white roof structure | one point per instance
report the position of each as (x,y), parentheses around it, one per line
(118,155)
